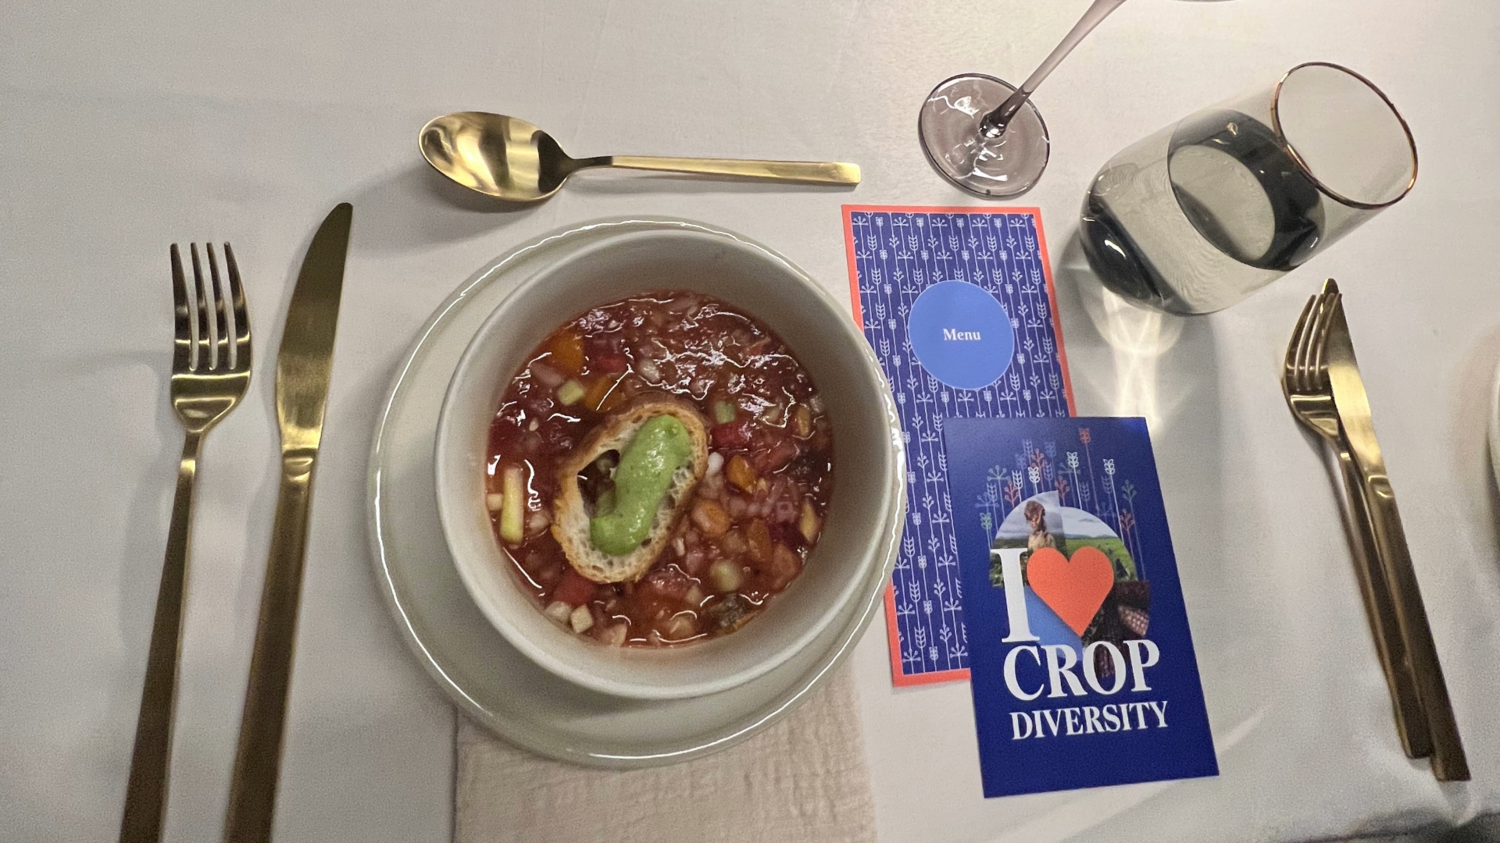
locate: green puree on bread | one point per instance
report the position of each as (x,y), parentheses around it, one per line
(623,516)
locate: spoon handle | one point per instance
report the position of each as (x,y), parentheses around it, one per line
(813,172)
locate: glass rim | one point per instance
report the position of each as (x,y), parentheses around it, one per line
(1291,151)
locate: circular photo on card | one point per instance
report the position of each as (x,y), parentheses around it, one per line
(1081,580)
(1042,522)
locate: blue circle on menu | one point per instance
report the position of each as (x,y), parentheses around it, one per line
(961,334)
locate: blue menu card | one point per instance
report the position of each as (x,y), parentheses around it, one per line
(959,305)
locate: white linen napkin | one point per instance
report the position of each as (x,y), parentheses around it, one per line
(803,779)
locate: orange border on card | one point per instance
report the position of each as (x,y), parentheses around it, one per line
(899,678)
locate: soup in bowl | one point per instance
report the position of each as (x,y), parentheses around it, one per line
(636,464)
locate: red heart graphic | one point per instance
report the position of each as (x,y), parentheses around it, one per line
(1073,589)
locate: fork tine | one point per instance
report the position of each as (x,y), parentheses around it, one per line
(200,314)
(183,331)
(239,313)
(1304,344)
(1316,332)
(1318,364)
(1289,368)
(223,352)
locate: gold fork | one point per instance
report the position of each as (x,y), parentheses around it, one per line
(210,373)
(1304,379)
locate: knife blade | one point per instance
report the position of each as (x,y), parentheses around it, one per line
(304,365)
(1353,405)
(305,361)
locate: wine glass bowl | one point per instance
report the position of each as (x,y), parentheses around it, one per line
(1205,211)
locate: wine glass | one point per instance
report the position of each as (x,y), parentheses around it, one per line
(1200,214)
(985,135)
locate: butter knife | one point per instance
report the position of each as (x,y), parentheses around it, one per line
(303,366)
(1353,406)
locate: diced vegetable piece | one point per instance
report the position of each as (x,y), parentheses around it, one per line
(668,582)
(740,473)
(732,436)
(581,619)
(599,391)
(758,539)
(802,421)
(567,352)
(612,364)
(809,524)
(777,457)
(613,635)
(617,396)
(569,393)
(681,627)
(648,370)
(715,463)
(695,596)
(723,412)
(537,522)
(785,565)
(513,510)
(546,375)
(558,611)
(574,589)
(728,614)
(549,573)
(732,544)
(710,518)
(493,501)
(726,576)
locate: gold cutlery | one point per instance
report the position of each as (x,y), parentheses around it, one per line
(513,160)
(210,373)
(303,367)
(1304,380)
(1448,760)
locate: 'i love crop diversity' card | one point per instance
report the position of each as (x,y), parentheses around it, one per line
(1080,658)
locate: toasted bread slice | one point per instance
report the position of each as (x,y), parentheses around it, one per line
(571,513)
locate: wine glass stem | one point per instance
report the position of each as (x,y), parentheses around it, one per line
(995,122)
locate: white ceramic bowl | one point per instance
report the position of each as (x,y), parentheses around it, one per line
(868,461)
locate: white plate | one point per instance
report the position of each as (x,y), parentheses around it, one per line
(491,681)
(1495,428)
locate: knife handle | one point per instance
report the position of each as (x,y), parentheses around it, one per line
(1448,760)
(1411,720)
(252,790)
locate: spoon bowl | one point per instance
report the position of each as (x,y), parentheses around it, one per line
(496,155)
(510,159)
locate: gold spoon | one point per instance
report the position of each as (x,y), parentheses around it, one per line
(513,160)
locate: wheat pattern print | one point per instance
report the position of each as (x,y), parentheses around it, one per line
(895,254)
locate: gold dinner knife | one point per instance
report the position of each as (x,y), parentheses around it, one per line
(303,367)
(1353,405)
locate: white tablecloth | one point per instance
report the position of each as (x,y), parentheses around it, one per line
(128,126)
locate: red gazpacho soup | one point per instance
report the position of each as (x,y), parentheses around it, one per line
(642,527)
